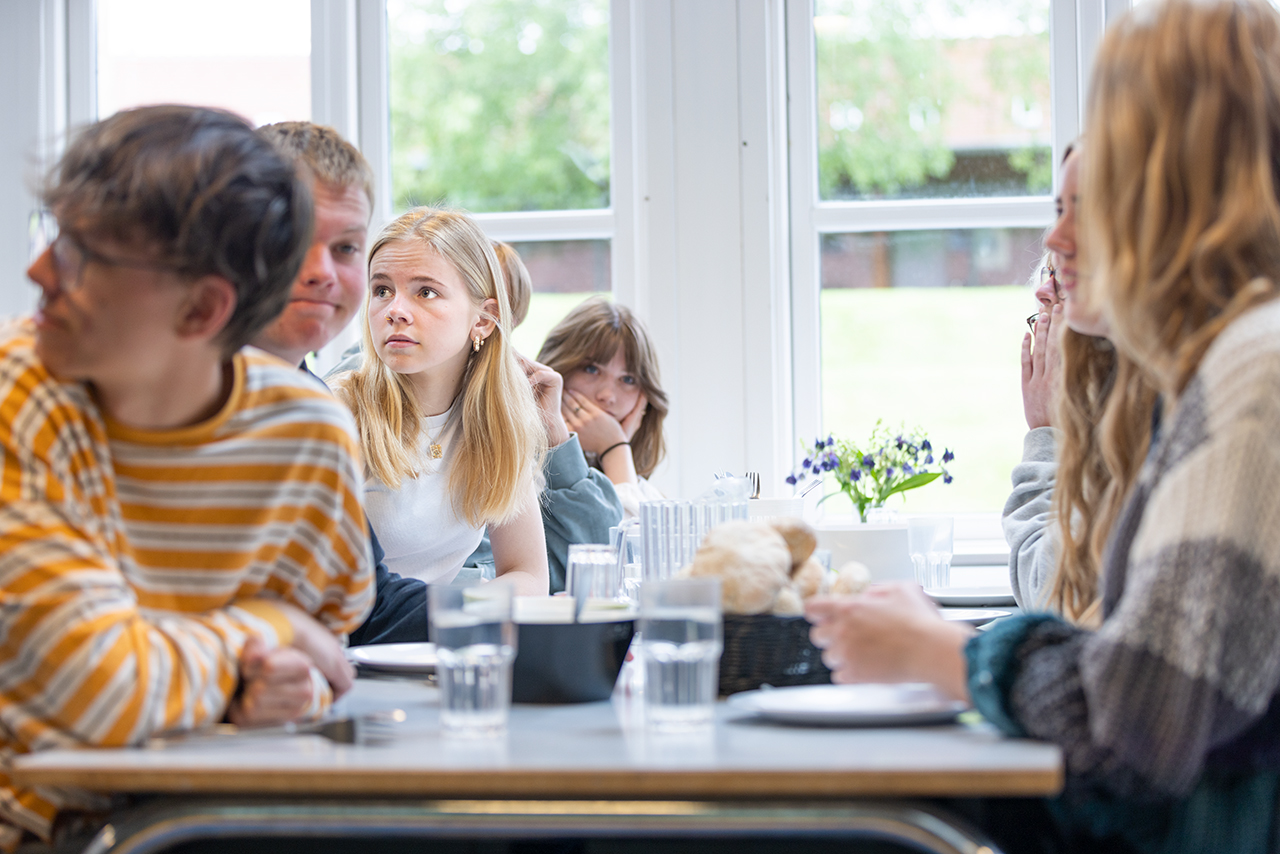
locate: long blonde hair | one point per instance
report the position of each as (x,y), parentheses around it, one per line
(501,439)
(1180,215)
(1104,412)
(592,333)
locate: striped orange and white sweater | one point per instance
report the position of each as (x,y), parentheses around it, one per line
(135,565)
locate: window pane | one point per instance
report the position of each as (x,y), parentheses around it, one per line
(925,327)
(249,56)
(500,105)
(564,273)
(932,98)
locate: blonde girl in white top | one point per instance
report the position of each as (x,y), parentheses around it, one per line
(451,435)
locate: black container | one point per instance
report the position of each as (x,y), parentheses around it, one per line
(569,662)
(762,649)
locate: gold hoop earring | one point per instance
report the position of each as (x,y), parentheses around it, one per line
(475,344)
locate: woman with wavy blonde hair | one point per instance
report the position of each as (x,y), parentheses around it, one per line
(613,398)
(451,435)
(1168,714)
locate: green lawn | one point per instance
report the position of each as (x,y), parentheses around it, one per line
(946,359)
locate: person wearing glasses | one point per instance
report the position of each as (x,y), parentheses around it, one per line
(1166,713)
(171,502)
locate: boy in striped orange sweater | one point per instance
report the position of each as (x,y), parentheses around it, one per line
(171,505)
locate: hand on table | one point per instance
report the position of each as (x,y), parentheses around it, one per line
(320,645)
(275,685)
(1041,363)
(548,387)
(890,633)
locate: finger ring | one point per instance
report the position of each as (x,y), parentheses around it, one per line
(577,409)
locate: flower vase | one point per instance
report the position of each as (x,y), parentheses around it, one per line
(881,546)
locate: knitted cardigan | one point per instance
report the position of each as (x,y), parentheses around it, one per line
(1167,715)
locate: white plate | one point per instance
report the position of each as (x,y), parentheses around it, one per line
(972,616)
(396,657)
(971,597)
(904,704)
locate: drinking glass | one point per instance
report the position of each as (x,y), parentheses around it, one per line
(681,638)
(593,579)
(475,640)
(929,541)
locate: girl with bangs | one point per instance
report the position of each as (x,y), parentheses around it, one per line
(449,428)
(612,396)
(1168,713)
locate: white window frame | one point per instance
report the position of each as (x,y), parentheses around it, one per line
(1075,30)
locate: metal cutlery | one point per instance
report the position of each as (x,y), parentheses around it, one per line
(368,728)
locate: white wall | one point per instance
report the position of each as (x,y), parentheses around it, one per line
(710,231)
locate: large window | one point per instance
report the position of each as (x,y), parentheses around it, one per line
(930,143)
(249,56)
(501,107)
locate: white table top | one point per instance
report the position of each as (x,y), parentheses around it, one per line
(595,750)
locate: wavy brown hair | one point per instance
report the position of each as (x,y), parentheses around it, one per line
(591,334)
(1104,412)
(498,459)
(1179,214)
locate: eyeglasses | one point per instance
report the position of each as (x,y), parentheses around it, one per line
(71,255)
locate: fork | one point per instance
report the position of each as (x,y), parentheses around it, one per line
(368,728)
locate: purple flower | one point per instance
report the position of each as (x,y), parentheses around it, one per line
(855,475)
(868,462)
(791,479)
(928,460)
(925,446)
(946,478)
(818,444)
(831,442)
(947,456)
(817,470)
(907,469)
(826,465)
(807,462)
(888,472)
(898,440)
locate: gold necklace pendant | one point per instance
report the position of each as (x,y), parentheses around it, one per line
(436,452)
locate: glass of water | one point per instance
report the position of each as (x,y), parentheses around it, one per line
(475,640)
(681,638)
(929,541)
(594,580)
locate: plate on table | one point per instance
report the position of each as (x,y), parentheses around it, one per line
(870,705)
(973,616)
(395,657)
(971,597)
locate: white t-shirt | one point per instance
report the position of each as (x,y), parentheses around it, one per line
(416,524)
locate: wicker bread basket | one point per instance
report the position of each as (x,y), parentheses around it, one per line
(762,649)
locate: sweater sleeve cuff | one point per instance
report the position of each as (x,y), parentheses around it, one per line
(565,465)
(994,664)
(1040,445)
(268,612)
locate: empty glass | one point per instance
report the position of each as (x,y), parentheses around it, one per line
(671,531)
(681,638)
(594,580)
(475,642)
(929,541)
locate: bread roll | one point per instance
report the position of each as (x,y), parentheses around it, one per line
(852,579)
(751,561)
(801,539)
(788,603)
(809,578)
